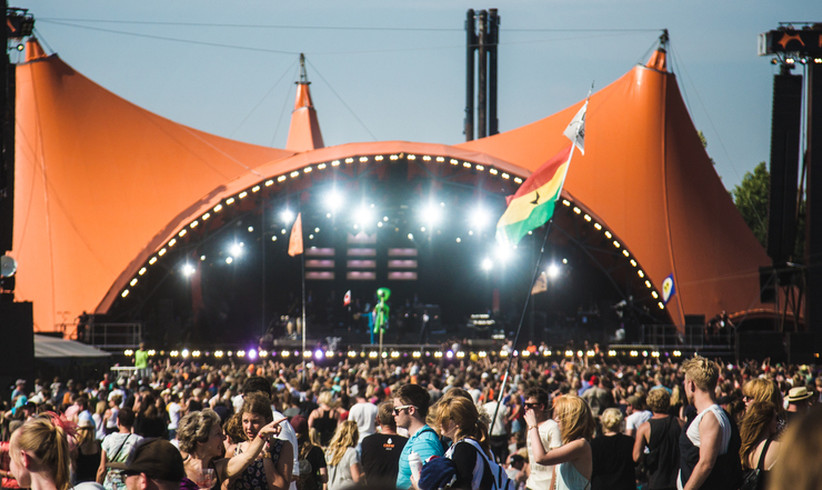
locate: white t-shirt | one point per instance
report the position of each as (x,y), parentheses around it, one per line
(365,415)
(499,424)
(549,434)
(633,421)
(174,409)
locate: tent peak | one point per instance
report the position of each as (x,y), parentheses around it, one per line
(304,133)
(657,61)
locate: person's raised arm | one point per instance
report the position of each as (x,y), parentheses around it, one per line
(237,464)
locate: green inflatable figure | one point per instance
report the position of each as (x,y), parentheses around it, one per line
(381,311)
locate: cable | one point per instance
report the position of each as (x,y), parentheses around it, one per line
(341,100)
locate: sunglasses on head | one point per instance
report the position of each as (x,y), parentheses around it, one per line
(399,409)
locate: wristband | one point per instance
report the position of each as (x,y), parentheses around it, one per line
(532,427)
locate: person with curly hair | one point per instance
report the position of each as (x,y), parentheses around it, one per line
(574,460)
(342,458)
(200,439)
(660,435)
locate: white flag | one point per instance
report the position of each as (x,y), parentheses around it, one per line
(576,129)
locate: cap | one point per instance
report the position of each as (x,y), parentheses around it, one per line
(157,458)
(300,424)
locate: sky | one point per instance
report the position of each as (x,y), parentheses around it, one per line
(389,70)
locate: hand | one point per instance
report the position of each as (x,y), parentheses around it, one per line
(272,429)
(530,418)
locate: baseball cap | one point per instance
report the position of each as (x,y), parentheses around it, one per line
(155,457)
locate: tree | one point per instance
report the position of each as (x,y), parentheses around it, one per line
(751,199)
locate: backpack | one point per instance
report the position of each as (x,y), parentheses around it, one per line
(501,480)
(307,479)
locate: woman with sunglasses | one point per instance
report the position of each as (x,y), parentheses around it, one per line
(573,458)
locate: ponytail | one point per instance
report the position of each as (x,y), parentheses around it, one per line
(47,438)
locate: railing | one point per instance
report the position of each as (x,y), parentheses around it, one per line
(109,336)
(694,337)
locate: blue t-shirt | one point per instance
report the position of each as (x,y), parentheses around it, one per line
(424,442)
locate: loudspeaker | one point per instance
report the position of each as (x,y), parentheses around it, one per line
(785,131)
(17,348)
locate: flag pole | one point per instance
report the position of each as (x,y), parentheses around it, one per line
(302,277)
(521,321)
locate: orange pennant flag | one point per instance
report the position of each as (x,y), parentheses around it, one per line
(295,242)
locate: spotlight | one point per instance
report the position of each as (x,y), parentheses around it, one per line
(188,269)
(287,216)
(486,264)
(236,249)
(431,214)
(552,271)
(504,252)
(479,218)
(364,216)
(334,200)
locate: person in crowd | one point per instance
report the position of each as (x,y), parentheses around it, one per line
(343,462)
(599,396)
(709,446)
(286,432)
(799,402)
(39,452)
(499,431)
(548,433)
(660,435)
(150,420)
(200,439)
(797,466)
(270,468)
(325,417)
(111,413)
(99,420)
(758,430)
(457,419)
(175,411)
(410,407)
(313,469)
(573,458)
(612,455)
(381,451)
(364,413)
(116,448)
(87,452)
(761,390)
(155,464)
(637,414)
(141,361)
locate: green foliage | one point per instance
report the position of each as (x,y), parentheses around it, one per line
(751,198)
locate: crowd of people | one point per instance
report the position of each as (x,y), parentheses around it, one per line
(400,424)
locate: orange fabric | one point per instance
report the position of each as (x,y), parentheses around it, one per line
(98,181)
(304,133)
(646,177)
(101,185)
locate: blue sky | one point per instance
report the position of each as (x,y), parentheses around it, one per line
(390,70)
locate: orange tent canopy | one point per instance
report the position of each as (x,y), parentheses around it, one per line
(103,185)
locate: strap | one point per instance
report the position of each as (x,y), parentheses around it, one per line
(553,477)
(114,458)
(764,452)
(499,475)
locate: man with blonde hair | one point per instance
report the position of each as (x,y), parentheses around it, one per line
(710,444)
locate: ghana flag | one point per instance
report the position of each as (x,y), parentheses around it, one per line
(533,203)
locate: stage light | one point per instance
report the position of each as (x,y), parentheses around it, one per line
(202,258)
(410,236)
(287,216)
(229,260)
(334,200)
(364,216)
(251,229)
(486,264)
(564,261)
(553,271)
(188,270)
(503,252)
(184,353)
(479,218)
(319,354)
(431,214)
(236,249)
(128,352)
(252,354)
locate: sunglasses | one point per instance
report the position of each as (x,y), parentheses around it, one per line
(532,405)
(399,409)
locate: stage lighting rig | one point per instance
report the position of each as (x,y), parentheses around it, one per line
(19,23)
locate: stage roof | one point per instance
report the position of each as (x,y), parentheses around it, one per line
(102,185)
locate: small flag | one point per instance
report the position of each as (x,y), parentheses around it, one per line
(295,241)
(668,289)
(347,298)
(576,128)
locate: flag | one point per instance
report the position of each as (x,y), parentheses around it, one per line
(576,128)
(533,203)
(295,241)
(668,289)
(347,298)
